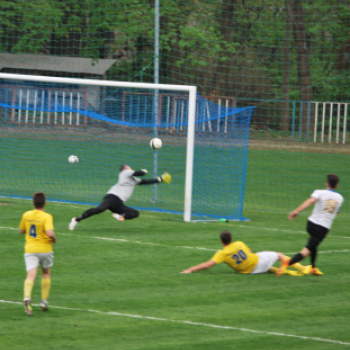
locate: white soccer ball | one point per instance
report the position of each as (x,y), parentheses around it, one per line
(156,143)
(73,159)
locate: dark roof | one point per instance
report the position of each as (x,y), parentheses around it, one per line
(55,63)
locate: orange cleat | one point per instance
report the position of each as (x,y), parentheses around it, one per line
(284,265)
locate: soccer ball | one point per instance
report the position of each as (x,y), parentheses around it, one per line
(156,143)
(73,159)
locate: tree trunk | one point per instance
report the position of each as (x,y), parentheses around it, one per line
(303,61)
(286,67)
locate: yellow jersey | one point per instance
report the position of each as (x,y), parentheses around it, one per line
(36,223)
(238,256)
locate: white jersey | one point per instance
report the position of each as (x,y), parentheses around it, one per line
(326,207)
(125,186)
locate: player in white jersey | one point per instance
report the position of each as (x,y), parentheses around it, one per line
(120,193)
(327,205)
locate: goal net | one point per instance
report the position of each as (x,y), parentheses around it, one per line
(44,120)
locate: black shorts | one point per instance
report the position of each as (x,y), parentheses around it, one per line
(116,205)
(317,233)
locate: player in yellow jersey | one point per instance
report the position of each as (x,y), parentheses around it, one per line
(238,256)
(38,228)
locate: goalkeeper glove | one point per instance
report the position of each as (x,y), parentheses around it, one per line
(166,178)
(145,171)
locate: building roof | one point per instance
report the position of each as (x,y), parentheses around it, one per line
(55,63)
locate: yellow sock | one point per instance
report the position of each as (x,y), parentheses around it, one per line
(297,266)
(45,288)
(28,287)
(273,269)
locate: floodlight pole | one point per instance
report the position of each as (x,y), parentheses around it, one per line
(156,92)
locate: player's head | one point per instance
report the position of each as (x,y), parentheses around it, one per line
(39,200)
(124,167)
(332,181)
(226,237)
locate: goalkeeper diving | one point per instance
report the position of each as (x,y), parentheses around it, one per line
(119,193)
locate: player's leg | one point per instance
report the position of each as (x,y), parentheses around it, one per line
(32,263)
(46,263)
(318,233)
(121,212)
(105,205)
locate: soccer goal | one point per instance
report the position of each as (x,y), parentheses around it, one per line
(44,120)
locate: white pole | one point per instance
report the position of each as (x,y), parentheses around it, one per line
(323,118)
(20,105)
(71,107)
(330,124)
(27,111)
(219,115)
(226,105)
(190,152)
(344,124)
(35,100)
(78,106)
(338,124)
(63,105)
(42,107)
(315,131)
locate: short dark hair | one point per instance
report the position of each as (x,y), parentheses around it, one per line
(332,180)
(226,237)
(122,167)
(39,200)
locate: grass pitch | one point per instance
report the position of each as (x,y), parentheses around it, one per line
(118,286)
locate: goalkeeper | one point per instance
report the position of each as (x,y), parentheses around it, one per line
(119,193)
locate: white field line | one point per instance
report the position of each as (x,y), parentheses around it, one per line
(169,246)
(200,324)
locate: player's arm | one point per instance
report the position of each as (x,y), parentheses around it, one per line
(166,178)
(52,235)
(140,172)
(302,207)
(22,232)
(202,266)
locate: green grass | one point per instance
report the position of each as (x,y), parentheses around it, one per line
(133,277)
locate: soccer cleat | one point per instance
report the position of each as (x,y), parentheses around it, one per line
(284,265)
(72,224)
(43,305)
(315,271)
(118,217)
(28,308)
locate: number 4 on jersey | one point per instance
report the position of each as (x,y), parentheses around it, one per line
(32,231)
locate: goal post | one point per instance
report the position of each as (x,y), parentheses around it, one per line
(221,141)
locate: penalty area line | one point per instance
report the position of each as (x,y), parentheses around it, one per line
(192,323)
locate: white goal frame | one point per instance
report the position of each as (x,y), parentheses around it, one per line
(192,90)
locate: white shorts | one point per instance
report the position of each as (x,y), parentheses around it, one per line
(33,260)
(266,260)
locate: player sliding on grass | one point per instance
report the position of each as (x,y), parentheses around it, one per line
(120,193)
(328,203)
(238,256)
(38,228)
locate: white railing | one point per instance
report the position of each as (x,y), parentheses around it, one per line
(335,114)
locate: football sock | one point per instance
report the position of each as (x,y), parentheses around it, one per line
(313,256)
(45,288)
(296,258)
(28,287)
(297,266)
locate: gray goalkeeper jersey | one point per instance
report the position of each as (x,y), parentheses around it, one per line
(125,186)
